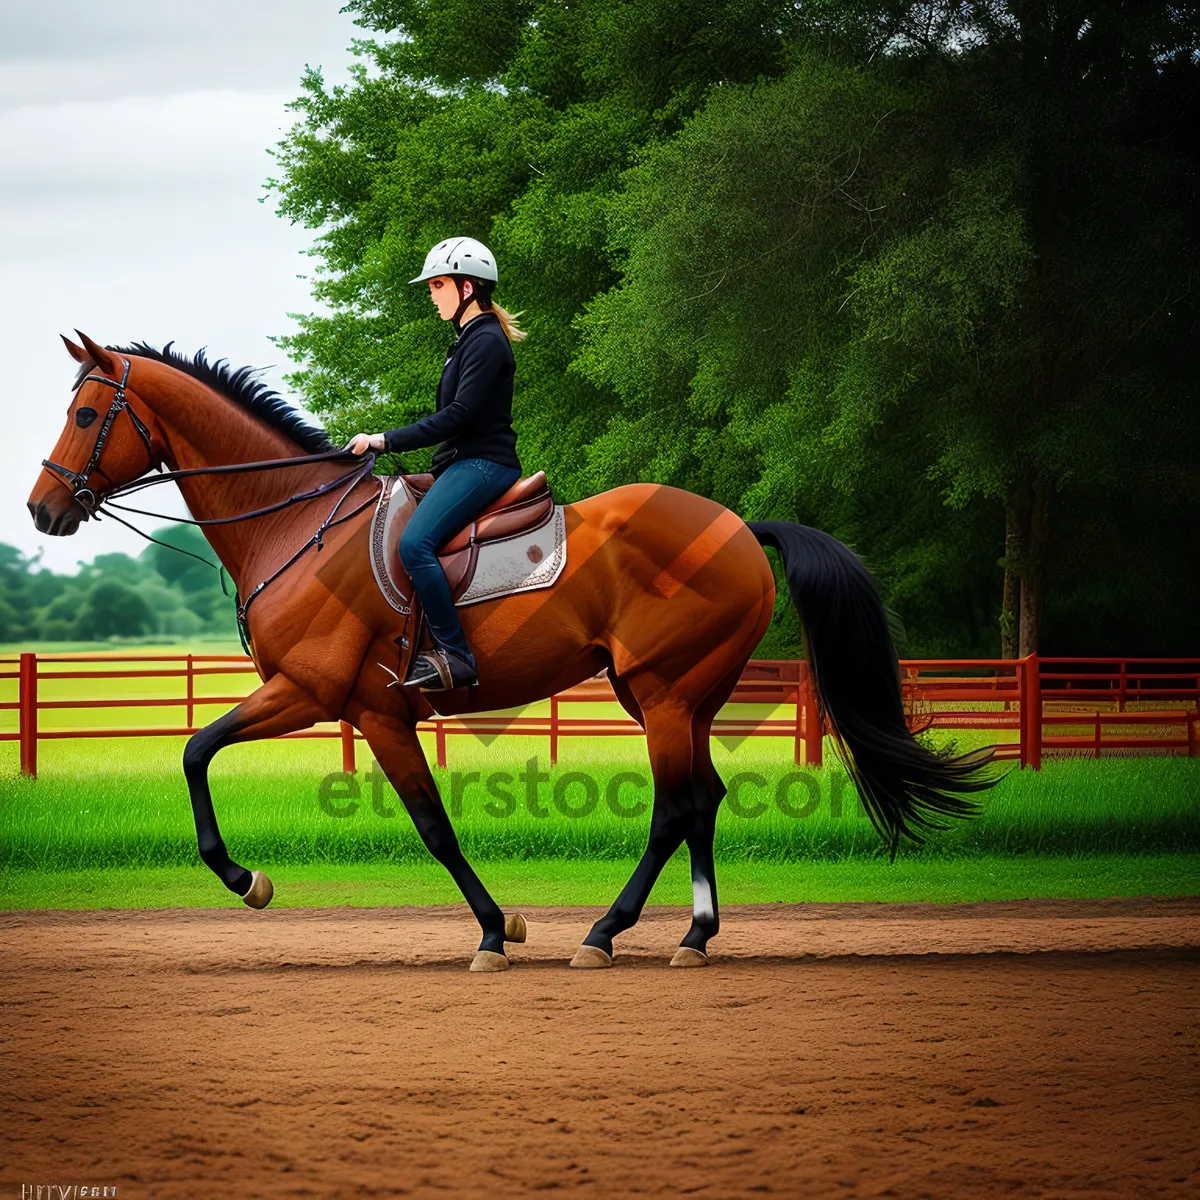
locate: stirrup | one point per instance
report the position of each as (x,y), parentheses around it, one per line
(440,670)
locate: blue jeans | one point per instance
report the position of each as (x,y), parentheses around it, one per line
(459,493)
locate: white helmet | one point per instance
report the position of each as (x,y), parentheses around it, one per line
(459,256)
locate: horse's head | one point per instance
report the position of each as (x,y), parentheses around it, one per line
(108,439)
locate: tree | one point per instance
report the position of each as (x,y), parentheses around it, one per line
(510,122)
(919,274)
(15,613)
(113,566)
(172,559)
(113,609)
(13,626)
(195,586)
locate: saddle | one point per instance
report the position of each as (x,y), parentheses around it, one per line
(516,543)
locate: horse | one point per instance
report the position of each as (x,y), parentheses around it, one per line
(665,591)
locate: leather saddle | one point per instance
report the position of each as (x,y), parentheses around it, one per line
(526,506)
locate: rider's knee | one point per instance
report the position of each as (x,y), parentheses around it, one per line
(415,549)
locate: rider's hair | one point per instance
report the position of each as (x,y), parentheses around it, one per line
(508,321)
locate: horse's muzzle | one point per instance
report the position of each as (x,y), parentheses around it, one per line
(62,523)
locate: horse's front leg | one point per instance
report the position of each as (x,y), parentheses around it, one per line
(398,751)
(278,707)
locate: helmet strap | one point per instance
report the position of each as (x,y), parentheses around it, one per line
(464,302)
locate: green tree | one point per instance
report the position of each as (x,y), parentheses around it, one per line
(506,121)
(920,274)
(194,585)
(172,560)
(56,630)
(16,616)
(113,609)
(113,566)
(13,625)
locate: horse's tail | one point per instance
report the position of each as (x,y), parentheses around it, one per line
(904,787)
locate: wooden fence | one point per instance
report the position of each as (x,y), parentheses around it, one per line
(1113,706)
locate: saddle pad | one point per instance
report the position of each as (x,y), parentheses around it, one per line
(521,563)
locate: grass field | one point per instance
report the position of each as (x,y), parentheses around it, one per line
(579,881)
(108,820)
(114,802)
(108,823)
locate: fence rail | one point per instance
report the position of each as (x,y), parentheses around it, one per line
(1027,696)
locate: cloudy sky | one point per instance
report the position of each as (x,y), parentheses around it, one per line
(133,139)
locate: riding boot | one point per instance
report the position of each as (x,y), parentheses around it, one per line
(441,669)
(439,664)
(422,639)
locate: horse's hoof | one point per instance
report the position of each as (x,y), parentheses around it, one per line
(685,956)
(489,960)
(591,958)
(261,891)
(515,929)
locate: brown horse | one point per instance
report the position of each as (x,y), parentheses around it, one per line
(668,591)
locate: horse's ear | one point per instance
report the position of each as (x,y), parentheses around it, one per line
(78,353)
(101,357)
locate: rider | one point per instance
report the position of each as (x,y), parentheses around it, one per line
(476,461)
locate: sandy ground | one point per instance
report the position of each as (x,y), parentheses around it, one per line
(1033,1048)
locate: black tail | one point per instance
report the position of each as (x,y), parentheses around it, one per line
(904,787)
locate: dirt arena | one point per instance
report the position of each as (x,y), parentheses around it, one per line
(1037,1048)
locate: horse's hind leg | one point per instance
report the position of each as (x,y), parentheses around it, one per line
(705,913)
(398,751)
(676,803)
(706,921)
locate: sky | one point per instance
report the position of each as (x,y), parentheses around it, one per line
(133,152)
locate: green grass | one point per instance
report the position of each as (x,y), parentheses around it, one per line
(123,803)
(108,823)
(576,881)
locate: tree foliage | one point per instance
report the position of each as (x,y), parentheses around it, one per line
(921,274)
(159,593)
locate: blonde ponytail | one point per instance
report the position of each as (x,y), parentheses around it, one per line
(508,322)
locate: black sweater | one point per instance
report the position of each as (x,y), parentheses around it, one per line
(473,418)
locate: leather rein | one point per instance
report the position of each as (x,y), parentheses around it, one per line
(94,503)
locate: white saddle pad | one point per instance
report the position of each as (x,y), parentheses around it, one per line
(521,563)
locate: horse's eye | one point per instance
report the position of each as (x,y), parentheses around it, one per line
(84,417)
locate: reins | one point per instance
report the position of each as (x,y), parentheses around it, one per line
(97,504)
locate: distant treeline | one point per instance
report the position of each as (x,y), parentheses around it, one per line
(160,593)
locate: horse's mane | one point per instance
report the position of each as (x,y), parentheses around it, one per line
(238,385)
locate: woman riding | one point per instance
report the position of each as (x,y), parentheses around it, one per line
(476,461)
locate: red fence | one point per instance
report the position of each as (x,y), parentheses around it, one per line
(1115,705)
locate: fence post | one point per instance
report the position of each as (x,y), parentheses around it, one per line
(440,735)
(812,719)
(191,694)
(347,747)
(1031,713)
(1023,710)
(799,738)
(27,711)
(554,730)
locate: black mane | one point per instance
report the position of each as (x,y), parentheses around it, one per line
(238,385)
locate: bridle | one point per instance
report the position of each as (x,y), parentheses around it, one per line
(99,503)
(77,480)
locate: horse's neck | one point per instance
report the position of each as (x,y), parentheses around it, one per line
(203,429)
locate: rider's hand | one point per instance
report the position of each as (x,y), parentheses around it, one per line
(360,443)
